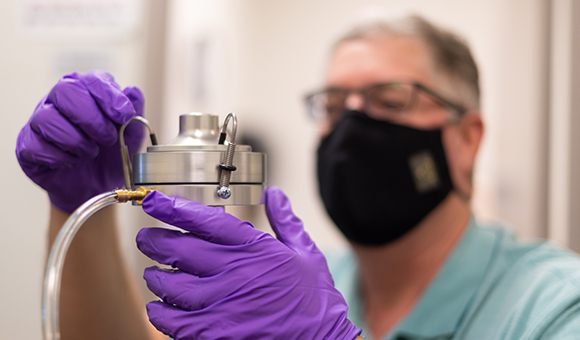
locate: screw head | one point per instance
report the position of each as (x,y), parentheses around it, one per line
(224,192)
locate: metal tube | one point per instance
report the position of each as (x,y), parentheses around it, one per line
(127,170)
(232,116)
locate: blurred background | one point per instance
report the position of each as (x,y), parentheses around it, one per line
(258,58)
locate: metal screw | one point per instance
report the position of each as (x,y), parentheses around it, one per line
(224,192)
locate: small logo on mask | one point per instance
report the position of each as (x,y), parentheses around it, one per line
(424,171)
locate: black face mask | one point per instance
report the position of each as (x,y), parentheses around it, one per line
(378,180)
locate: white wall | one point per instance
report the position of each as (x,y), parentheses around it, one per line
(564,161)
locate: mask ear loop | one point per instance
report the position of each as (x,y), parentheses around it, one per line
(127,168)
(455,119)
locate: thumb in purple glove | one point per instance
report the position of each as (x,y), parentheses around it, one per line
(70,144)
(235,282)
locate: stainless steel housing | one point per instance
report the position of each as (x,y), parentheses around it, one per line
(188,166)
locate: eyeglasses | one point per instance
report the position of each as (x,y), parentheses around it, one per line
(383,101)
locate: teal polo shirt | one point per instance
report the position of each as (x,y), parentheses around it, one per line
(490,287)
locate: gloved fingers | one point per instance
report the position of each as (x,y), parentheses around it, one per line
(54,128)
(136,97)
(33,153)
(71,97)
(173,321)
(211,223)
(108,94)
(287,227)
(185,290)
(186,251)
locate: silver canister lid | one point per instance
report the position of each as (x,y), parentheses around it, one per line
(189,165)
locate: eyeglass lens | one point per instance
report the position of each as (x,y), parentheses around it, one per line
(380,101)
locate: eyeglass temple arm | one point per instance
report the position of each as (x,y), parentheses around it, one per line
(455,107)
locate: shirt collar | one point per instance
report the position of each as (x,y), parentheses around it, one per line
(447,298)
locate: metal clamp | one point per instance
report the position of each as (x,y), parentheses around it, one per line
(127,169)
(227,166)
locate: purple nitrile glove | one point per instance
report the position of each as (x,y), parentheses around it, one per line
(236,282)
(70,145)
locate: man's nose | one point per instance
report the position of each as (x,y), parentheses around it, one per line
(354,101)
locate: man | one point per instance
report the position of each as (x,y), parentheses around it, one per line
(400,130)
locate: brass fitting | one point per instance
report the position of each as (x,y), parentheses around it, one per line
(138,195)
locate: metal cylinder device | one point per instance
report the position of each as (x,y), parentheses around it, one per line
(201,164)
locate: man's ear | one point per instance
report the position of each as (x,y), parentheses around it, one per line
(471,134)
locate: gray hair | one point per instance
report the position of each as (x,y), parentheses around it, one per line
(451,56)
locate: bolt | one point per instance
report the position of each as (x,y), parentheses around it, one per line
(224,192)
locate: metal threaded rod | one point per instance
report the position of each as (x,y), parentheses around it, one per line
(229,160)
(227,166)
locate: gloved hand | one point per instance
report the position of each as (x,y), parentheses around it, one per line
(70,145)
(236,282)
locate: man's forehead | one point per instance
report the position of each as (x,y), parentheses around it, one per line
(361,62)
